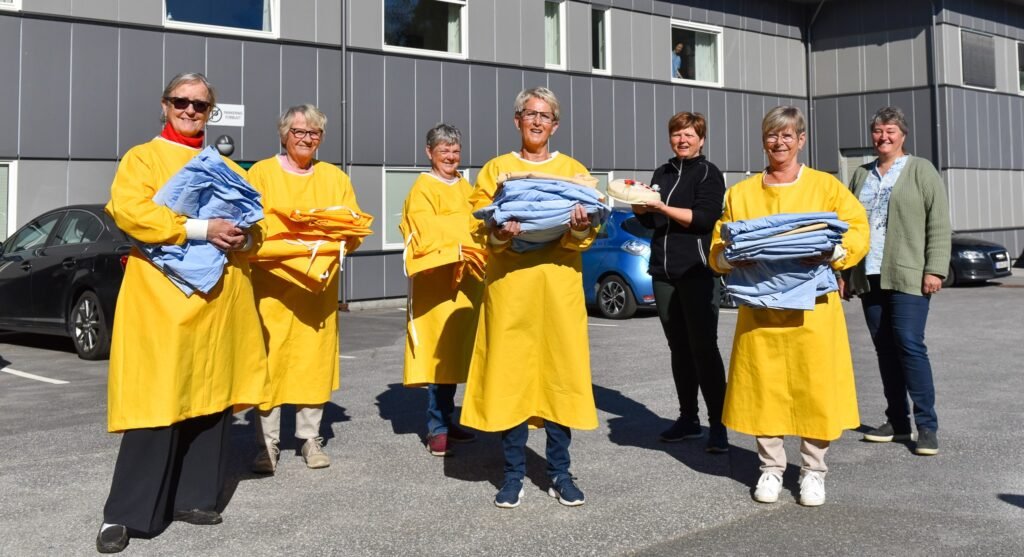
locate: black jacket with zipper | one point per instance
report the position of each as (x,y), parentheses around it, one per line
(694,184)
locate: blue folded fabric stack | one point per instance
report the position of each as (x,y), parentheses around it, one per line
(205,188)
(778,279)
(542,207)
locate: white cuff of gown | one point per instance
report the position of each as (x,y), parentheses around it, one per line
(722,263)
(248,243)
(580,234)
(195,229)
(838,253)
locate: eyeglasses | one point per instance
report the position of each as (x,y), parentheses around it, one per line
(181,103)
(543,117)
(300,134)
(786,138)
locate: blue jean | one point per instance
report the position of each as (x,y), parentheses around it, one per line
(513,441)
(897,321)
(440,405)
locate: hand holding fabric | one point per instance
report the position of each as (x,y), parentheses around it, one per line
(224,234)
(579,220)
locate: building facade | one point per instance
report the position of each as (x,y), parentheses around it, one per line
(82,80)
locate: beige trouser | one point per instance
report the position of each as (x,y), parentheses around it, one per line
(773,455)
(307,423)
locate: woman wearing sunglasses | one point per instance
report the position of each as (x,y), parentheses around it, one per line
(178,363)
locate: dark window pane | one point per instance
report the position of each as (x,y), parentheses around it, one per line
(694,55)
(978,53)
(426,24)
(597,39)
(79,227)
(239,14)
(1020,66)
(32,236)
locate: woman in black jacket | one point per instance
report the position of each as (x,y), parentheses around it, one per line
(685,290)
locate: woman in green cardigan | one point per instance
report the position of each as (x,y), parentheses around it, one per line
(910,241)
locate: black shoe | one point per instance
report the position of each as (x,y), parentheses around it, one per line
(685,428)
(112,540)
(718,440)
(886,433)
(927,443)
(198,517)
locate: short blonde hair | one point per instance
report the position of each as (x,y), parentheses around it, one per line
(542,93)
(314,118)
(183,78)
(782,117)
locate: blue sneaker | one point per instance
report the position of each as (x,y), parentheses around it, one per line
(566,491)
(509,495)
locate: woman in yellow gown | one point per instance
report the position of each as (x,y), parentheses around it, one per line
(444,296)
(178,363)
(531,363)
(791,372)
(300,327)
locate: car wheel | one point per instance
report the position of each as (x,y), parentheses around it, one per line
(950,279)
(88,328)
(615,298)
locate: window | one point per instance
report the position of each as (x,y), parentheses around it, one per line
(10,4)
(238,17)
(34,235)
(434,25)
(554,34)
(696,53)
(79,227)
(1020,67)
(978,59)
(397,184)
(599,40)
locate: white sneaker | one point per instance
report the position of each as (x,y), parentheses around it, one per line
(812,489)
(768,488)
(313,453)
(266,459)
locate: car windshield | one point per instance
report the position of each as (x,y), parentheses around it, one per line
(634,227)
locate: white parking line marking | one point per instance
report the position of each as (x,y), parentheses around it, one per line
(32,376)
(728,311)
(346,357)
(601,325)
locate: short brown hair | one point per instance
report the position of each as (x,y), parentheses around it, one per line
(683,120)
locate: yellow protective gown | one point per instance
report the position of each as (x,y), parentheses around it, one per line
(531,361)
(437,221)
(173,356)
(300,327)
(791,372)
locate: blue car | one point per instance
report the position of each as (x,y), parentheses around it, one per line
(615,279)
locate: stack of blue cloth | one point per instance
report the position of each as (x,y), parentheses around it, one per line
(778,279)
(205,188)
(542,207)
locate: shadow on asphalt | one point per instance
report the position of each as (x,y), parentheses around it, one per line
(45,342)
(1015,500)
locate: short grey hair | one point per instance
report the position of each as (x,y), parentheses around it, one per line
(443,133)
(314,118)
(542,93)
(782,117)
(890,115)
(183,78)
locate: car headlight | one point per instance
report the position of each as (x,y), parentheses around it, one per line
(971,254)
(636,248)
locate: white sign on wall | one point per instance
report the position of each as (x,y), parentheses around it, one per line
(228,115)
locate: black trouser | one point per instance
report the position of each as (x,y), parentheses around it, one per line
(688,309)
(163,469)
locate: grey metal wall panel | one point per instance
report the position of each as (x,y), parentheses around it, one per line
(643,65)
(850,66)
(683,97)
(662,8)
(510,82)
(955,118)
(365,109)
(826,135)
(10,64)
(55,7)
(1014,122)
(296,15)
(850,122)
(824,56)
(734,61)
(328,98)
(365,20)
(93,125)
(701,102)
(583,121)
(578,40)
(971,136)
(876,61)
(625,125)
(95,9)
(399,111)
(183,53)
(139,84)
(755,152)
(531,30)
(261,83)
(647,143)
(429,110)
(734,127)
(622,46)
(664,109)
(1003,134)
(904,100)
(753,67)
(42,185)
(298,76)
(365,276)
(798,71)
(870,104)
(563,140)
(456,104)
(395,281)
(715,142)
(145,12)
(604,122)
(45,83)
(328,21)
(988,123)
(366,181)
(535,78)
(900,57)
(508,33)
(224,70)
(645,6)
(89,181)
(484,119)
(481,33)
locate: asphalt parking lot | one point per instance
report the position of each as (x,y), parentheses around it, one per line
(385,495)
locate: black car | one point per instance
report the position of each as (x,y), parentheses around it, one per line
(976,260)
(59,275)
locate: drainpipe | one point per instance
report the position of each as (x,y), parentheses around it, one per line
(345,158)
(933,77)
(810,84)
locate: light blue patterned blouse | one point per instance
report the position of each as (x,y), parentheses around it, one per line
(875,198)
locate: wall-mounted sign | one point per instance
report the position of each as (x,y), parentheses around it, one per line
(228,115)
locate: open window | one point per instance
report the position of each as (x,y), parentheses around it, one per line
(435,27)
(554,34)
(696,53)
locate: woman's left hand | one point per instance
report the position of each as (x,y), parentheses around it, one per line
(656,206)
(930,284)
(579,220)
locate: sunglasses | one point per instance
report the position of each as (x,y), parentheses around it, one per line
(181,103)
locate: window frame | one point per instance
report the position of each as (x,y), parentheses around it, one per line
(960,49)
(12,198)
(274,33)
(607,17)
(13,5)
(562,54)
(1020,66)
(719,32)
(463,35)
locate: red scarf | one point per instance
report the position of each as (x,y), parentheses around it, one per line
(170,134)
